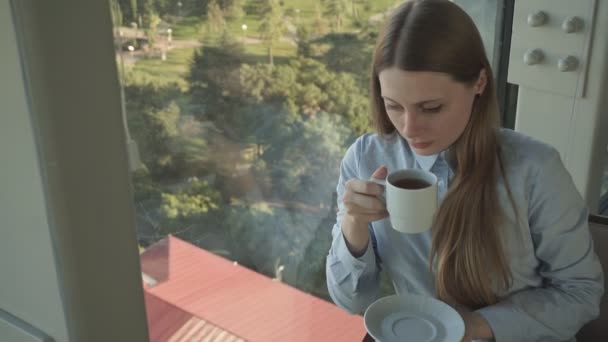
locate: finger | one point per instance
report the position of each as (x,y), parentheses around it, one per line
(364,187)
(355,209)
(380,173)
(364,202)
(370,217)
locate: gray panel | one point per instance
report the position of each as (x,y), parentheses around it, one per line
(15,330)
(597,330)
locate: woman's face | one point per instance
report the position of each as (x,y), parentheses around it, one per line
(428,109)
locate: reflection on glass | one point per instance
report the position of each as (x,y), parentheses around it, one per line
(485,16)
(603,207)
(242,111)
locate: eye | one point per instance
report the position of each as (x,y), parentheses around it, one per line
(392,106)
(434,109)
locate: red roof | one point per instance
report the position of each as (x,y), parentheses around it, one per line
(247,304)
(166,322)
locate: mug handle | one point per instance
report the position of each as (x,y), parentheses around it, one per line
(382,182)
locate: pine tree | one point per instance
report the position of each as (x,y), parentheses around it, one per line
(272,26)
(215,16)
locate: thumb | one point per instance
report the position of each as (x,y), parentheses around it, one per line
(380,173)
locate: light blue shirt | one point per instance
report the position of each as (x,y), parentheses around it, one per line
(557,278)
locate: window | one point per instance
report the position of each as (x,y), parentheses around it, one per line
(241,112)
(485,16)
(603,206)
(494,20)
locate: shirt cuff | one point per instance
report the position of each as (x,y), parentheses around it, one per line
(356,263)
(500,319)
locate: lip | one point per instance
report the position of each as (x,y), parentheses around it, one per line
(421,145)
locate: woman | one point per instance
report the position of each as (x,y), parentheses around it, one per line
(510,247)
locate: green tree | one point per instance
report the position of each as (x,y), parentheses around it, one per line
(336,10)
(265,235)
(116,13)
(190,7)
(196,198)
(320,24)
(272,27)
(356,7)
(152,116)
(300,117)
(128,8)
(215,16)
(304,41)
(153,21)
(188,208)
(349,52)
(215,85)
(311,271)
(307,88)
(144,10)
(166,7)
(234,9)
(305,158)
(265,83)
(290,226)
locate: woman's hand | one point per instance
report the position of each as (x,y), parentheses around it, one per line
(361,200)
(362,206)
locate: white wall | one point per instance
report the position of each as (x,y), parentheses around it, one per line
(566,109)
(66,197)
(29,286)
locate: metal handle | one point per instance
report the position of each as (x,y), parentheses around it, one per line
(534,56)
(537,18)
(568,63)
(572,25)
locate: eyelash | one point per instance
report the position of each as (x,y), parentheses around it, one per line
(436,109)
(392,107)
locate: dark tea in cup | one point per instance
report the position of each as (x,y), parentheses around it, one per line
(411,183)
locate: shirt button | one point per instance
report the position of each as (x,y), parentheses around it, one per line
(440,183)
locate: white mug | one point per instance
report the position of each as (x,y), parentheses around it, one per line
(411,209)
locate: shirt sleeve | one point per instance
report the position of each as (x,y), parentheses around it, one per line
(353,282)
(571,272)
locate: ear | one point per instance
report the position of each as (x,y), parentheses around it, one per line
(480,84)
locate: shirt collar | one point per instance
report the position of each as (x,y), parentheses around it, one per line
(426,162)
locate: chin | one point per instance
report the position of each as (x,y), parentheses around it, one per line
(425,152)
(429,150)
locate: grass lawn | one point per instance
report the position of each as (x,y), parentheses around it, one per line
(174,69)
(282,49)
(176,66)
(187,28)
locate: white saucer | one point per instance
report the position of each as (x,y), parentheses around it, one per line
(411,317)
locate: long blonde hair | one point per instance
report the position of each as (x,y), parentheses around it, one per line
(467,254)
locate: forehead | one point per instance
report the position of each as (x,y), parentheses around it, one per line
(416,86)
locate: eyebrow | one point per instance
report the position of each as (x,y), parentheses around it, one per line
(421,103)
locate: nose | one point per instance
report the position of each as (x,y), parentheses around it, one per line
(413,124)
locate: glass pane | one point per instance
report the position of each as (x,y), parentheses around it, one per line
(603,207)
(485,16)
(241,112)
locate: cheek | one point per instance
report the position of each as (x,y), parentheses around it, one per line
(395,118)
(454,122)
